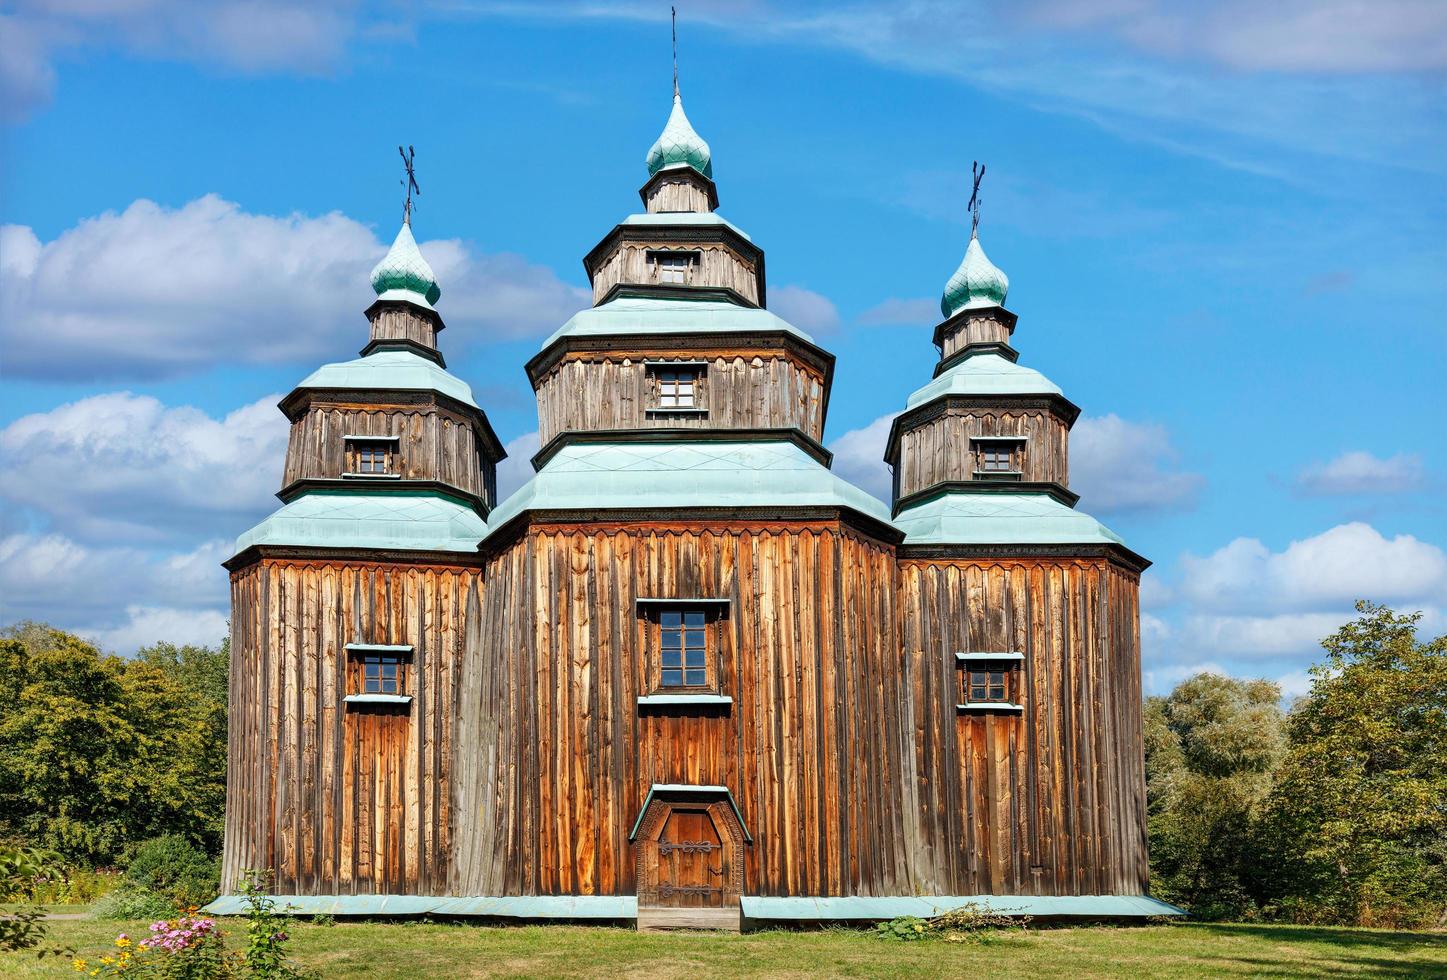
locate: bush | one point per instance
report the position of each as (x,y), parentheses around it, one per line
(175,869)
(970,923)
(127,903)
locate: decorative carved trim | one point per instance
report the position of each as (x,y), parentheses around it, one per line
(1115,553)
(660,807)
(351,556)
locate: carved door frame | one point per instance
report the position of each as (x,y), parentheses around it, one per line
(660,804)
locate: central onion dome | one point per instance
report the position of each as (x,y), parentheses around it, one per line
(679,144)
(977,283)
(404,274)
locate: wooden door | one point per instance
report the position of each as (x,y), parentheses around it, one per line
(689,855)
(693,867)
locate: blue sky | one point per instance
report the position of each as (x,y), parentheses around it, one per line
(1224,229)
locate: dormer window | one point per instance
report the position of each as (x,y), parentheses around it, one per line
(998,457)
(372,457)
(672,268)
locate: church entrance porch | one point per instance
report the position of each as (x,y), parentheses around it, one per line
(688,849)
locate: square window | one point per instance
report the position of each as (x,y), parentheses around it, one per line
(988,685)
(371,456)
(997,457)
(382,674)
(684,648)
(677,388)
(674,268)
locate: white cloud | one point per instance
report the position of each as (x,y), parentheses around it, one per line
(155,292)
(901,312)
(517,469)
(251,36)
(121,466)
(859,457)
(1261,636)
(1116,466)
(804,308)
(52,578)
(1322,573)
(1360,472)
(145,625)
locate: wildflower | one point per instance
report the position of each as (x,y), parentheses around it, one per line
(79,964)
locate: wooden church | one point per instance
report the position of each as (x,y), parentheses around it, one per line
(686,675)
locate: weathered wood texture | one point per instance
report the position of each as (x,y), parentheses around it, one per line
(400,322)
(1048,802)
(560,756)
(340,800)
(943,448)
(978,327)
(740,389)
(715,265)
(680,192)
(433,444)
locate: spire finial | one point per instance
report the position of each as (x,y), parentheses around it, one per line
(410,183)
(977,171)
(673,12)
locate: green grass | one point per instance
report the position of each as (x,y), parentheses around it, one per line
(422,950)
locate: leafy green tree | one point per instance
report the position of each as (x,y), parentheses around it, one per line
(1357,822)
(1211,746)
(97,752)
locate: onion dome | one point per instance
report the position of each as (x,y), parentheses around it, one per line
(679,144)
(977,283)
(404,274)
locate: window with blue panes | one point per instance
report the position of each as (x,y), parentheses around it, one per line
(683,648)
(382,674)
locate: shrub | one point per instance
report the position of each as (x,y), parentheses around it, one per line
(127,903)
(174,868)
(970,923)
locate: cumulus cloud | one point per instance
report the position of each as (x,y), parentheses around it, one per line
(251,36)
(121,466)
(804,308)
(901,312)
(145,625)
(1117,466)
(859,457)
(1325,572)
(1361,472)
(155,292)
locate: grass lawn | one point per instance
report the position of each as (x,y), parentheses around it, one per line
(417,951)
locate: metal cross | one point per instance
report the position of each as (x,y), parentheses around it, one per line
(977,171)
(673,12)
(410,183)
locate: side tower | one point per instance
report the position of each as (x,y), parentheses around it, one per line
(1019,627)
(348,609)
(689,635)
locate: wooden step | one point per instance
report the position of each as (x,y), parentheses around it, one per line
(661,919)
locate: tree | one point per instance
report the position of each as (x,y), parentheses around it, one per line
(99,753)
(1357,821)
(1211,746)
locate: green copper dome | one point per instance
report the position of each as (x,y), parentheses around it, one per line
(680,145)
(976,283)
(404,270)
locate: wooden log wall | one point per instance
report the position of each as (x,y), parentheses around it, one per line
(943,449)
(433,444)
(716,265)
(400,322)
(561,755)
(341,800)
(741,389)
(1049,802)
(978,327)
(680,193)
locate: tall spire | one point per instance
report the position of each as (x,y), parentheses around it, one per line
(977,283)
(679,144)
(403,273)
